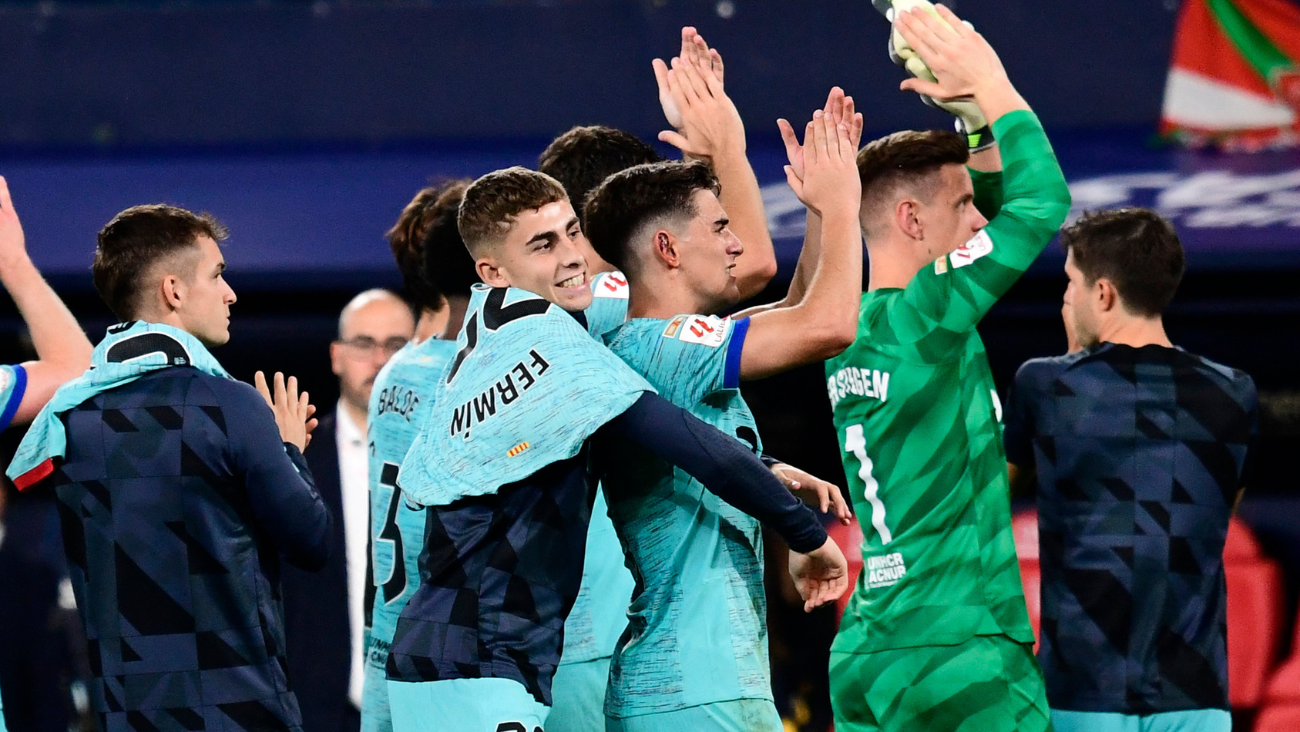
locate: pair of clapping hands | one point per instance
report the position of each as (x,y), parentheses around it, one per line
(293,410)
(822,169)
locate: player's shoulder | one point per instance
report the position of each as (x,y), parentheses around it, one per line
(1235,382)
(702,330)
(610,285)
(1037,373)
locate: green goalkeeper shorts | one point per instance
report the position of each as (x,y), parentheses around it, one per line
(987,684)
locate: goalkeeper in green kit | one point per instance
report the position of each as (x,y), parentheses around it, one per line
(936,636)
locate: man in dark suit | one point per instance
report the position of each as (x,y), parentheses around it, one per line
(324,611)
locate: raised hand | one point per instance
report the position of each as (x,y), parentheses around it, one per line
(821,576)
(293,411)
(695,50)
(963,63)
(840,108)
(814,491)
(828,158)
(691,92)
(12,243)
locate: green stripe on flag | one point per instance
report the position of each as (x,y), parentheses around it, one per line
(1257,49)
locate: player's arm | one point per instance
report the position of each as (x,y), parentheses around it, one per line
(1019,429)
(266,445)
(840,107)
(825,320)
(954,294)
(736,475)
(62,350)
(709,127)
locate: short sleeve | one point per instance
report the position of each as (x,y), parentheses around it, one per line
(13,385)
(693,356)
(608,309)
(1018,427)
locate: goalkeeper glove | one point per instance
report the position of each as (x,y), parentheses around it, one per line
(970,120)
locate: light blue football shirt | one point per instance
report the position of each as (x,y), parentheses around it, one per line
(13,385)
(608,309)
(697,632)
(400,400)
(599,614)
(528,386)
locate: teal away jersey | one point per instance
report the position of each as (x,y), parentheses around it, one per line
(599,614)
(399,401)
(697,632)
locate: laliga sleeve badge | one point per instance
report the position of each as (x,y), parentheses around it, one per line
(706,330)
(674,325)
(612,285)
(979,245)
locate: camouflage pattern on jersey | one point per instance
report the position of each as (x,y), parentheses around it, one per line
(917,416)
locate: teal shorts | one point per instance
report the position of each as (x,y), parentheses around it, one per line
(1195,720)
(375,714)
(741,715)
(578,696)
(464,705)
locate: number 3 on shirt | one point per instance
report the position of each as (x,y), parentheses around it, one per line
(856,444)
(395,585)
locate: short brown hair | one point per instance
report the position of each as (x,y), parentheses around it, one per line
(584,156)
(427,246)
(491,203)
(134,241)
(1136,249)
(626,201)
(906,157)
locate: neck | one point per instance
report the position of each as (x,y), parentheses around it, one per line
(662,297)
(1136,332)
(456,307)
(427,326)
(892,264)
(358,415)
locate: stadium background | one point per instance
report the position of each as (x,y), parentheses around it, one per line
(306,126)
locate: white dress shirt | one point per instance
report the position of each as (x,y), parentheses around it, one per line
(354,482)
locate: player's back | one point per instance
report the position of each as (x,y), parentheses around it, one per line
(1139,454)
(917,422)
(178,589)
(697,622)
(399,402)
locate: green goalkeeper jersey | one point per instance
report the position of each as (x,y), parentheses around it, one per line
(918,417)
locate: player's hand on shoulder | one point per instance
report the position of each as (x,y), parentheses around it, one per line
(814,491)
(705,121)
(12,244)
(820,576)
(293,410)
(823,169)
(962,61)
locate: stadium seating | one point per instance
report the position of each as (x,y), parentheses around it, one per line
(1279,718)
(1255,589)
(849,540)
(1284,685)
(1024,527)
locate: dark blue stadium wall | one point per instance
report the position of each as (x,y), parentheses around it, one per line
(130,75)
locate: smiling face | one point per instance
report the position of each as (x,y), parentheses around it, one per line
(542,253)
(205,296)
(708,249)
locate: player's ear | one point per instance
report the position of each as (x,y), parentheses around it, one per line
(666,248)
(907,217)
(1107,296)
(491,274)
(173,291)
